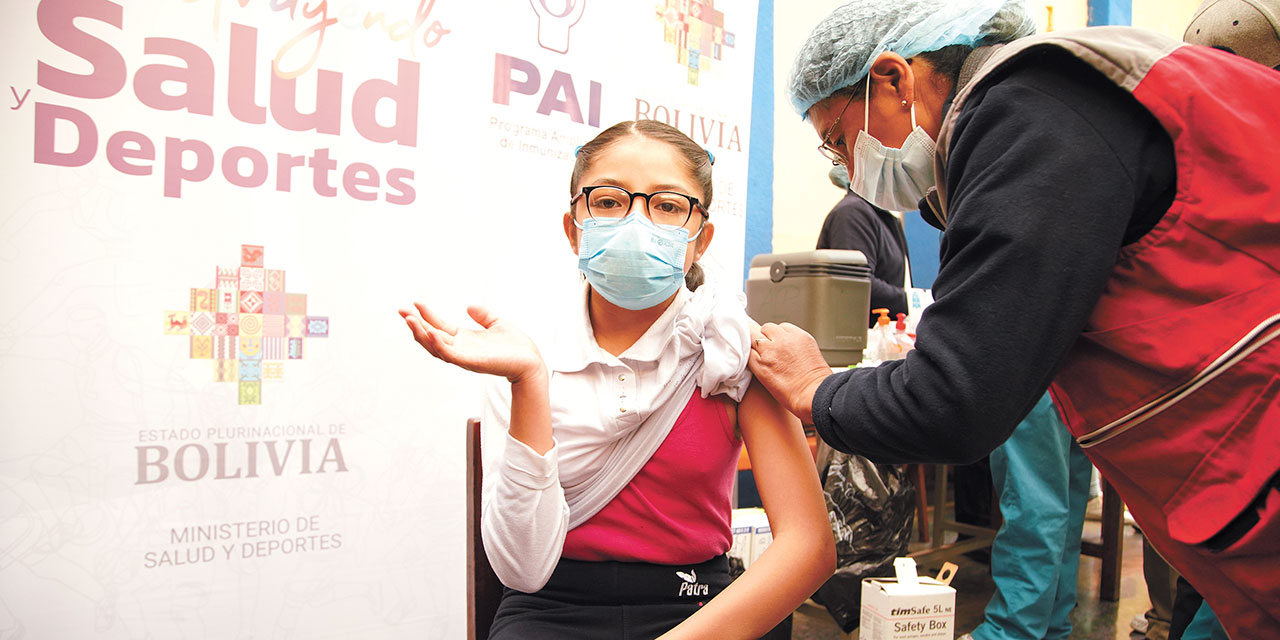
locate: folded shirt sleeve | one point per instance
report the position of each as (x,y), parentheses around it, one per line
(716,322)
(523,514)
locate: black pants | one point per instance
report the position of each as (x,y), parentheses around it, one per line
(609,600)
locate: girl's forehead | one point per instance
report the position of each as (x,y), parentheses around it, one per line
(637,158)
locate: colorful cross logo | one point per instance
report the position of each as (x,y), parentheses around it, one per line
(247,324)
(697,31)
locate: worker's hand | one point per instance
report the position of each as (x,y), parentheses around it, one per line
(496,347)
(787,361)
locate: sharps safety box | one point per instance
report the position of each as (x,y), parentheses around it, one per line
(909,607)
(826,292)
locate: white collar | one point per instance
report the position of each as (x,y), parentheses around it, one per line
(576,345)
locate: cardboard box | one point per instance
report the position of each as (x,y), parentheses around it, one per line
(740,525)
(909,607)
(751,534)
(761,538)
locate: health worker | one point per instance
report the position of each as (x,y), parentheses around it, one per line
(1110,202)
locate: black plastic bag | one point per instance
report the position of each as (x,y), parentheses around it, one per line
(872,509)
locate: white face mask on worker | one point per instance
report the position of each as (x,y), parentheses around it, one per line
(894,179)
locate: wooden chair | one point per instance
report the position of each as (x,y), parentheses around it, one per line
(916,473)
(484,591)
(938,550)
(1111,547)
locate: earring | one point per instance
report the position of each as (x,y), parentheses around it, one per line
(904,103)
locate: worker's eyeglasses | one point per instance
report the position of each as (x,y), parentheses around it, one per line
(610,204)
(827,148)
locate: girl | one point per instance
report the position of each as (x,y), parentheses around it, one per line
(607,515)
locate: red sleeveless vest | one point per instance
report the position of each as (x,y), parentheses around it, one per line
(1173,389)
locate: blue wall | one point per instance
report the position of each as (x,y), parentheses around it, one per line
(923,244)
(1104,12)
(759,232)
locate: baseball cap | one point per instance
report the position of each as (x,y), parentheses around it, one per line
(1248,28)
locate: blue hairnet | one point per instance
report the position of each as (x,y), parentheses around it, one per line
(840,50)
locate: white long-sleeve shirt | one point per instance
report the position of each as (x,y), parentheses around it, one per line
(608,415)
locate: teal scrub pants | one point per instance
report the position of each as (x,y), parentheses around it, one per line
(1042,477)
(1205,626)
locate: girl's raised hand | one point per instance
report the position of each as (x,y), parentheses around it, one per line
(496,348)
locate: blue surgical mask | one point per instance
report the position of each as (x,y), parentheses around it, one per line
(633,262)
(894,179)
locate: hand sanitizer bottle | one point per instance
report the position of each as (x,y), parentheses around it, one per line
(906,341)
(885,347)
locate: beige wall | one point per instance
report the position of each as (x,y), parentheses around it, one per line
(1065,15)
(802,194)
(1169,17)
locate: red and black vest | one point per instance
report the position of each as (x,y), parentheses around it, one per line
(1174,386)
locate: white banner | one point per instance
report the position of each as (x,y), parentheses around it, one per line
(215,425)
